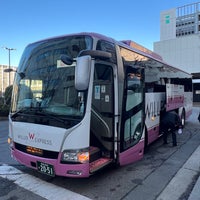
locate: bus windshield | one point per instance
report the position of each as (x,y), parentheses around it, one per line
(47,85)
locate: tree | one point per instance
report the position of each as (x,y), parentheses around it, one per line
(1,100)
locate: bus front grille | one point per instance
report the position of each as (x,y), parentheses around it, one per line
(43,154)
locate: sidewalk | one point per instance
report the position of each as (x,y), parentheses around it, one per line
(195,194)
(183,179)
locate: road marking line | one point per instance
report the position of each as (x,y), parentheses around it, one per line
(38,186)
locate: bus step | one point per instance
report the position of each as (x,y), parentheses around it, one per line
(100,163)
(95,153)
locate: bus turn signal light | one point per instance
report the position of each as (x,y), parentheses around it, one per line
(83,157)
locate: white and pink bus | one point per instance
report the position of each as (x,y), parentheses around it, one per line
(84,101)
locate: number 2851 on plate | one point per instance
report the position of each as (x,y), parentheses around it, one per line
(45,168)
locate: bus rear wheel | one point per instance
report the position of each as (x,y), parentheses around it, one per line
(183,118)
(146,146)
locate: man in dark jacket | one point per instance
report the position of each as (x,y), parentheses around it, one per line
(170,122)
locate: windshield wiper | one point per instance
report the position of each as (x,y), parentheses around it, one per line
(41,111)
(20,112)
(55,117)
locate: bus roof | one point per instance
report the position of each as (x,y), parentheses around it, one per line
(142,48)
(125,43)
(92,34)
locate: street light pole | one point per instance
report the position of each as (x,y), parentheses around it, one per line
(9,49)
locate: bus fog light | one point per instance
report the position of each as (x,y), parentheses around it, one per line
(74,172)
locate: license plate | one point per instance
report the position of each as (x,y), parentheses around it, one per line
(45,168)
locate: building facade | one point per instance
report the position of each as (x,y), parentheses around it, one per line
(6,78)
(179,43)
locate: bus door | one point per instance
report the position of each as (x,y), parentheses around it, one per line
(102,117)
(132,122)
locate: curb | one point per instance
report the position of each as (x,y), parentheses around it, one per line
(195,192)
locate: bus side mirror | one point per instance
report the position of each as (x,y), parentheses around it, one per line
(66,59)
(82,73)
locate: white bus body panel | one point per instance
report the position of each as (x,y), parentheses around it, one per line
(175,96)
(50,138)
(188,103)
(39,136)
(153,105)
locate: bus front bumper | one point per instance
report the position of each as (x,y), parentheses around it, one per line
(51,167)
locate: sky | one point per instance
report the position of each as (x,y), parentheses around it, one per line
(26,21)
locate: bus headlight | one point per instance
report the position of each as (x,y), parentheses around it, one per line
(80,156)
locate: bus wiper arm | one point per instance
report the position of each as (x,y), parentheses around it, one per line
(51,116)
(21,111)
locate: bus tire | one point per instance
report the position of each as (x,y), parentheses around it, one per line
(183,118)
(146,146)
